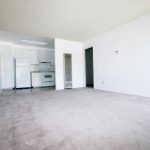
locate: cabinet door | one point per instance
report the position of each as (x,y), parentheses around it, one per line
(34,57)
(41,55)
(44,55)
(21,52)
(52,57)
(36,82)
(36,79)
(48,56)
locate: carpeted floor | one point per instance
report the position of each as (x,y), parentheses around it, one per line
(79,119)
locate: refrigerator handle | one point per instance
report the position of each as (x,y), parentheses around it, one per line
(14,66)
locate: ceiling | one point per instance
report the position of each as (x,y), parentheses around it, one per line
(77,20)
(26,40)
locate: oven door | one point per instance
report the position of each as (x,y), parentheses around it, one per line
(47,79)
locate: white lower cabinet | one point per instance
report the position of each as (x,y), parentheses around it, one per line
(36,82)
(36,79)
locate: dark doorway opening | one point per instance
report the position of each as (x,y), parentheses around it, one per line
(89,67)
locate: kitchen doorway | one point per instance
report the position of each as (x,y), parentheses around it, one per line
(67,71)
(89,67)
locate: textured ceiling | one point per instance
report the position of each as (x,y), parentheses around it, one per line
(77,20)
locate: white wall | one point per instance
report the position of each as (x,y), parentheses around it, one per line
(0,71)
(129,70)
(76,49)
(6,66)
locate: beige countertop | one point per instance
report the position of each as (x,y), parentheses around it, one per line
(40,71)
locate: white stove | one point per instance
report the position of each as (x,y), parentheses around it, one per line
(47,78)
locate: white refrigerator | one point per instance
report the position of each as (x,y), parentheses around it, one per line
(23,73)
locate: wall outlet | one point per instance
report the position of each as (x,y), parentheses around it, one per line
(103,82)
(116,52)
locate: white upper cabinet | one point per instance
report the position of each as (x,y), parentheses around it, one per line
(34,55)
(34,58)
(22,52)
(52,57)
(44,55)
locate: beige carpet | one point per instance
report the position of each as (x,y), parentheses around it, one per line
(80,119)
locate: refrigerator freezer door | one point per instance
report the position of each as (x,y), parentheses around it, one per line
(22,63)
(22,77)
